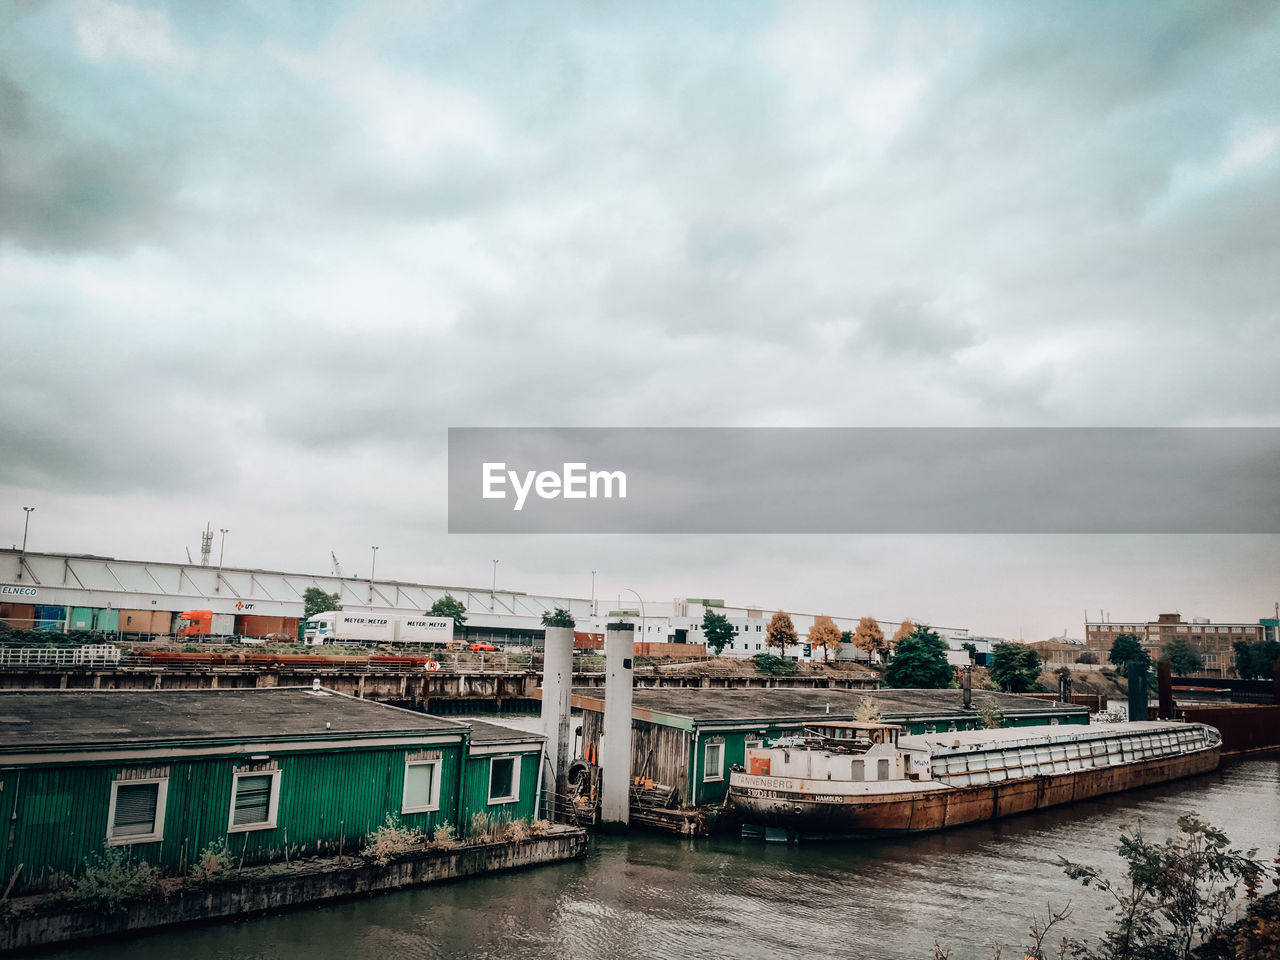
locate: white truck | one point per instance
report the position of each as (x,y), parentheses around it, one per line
(339,626)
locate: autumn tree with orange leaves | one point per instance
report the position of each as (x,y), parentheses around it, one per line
(781,633)
(903,631)
(825,634)
(869,637)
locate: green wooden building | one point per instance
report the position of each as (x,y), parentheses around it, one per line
(688,737)
(165,774)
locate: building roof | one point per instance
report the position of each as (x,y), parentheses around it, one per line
(717,706)
(484,732)
(39,719)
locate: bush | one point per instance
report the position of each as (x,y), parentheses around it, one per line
(990,715)
(390,840)
(111,881)
(773,665)
(213,863)
(443,837)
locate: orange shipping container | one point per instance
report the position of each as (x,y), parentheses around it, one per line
(17,616)
(248,625)
(146,621)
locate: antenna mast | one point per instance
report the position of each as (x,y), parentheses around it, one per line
(206,544)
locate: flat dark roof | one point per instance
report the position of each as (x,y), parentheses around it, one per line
(777,703)
(61,718)
(484,732)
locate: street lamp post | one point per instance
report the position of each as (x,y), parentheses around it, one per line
(222,549)
(593,593)
(643,638)
(373,565)
(22,557)
(494,588)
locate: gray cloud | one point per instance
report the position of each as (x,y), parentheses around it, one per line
(62,192)
(313,234)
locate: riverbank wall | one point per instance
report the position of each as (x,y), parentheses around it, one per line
(33,923)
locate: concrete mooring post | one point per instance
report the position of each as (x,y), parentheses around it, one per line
(615,746)
(557,689)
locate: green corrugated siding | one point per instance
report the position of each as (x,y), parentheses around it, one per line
(62,811)
(735,752)
(475,789)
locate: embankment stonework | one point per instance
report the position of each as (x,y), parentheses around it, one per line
(48,921)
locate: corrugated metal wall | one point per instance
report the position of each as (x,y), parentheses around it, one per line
(61,812)
(475,790)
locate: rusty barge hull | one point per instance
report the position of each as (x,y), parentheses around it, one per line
(939,808)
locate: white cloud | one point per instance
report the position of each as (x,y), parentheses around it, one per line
(107,31)
(410,119)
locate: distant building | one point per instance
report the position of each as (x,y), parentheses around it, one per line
(167,773)
(1212,640)
(1059,652)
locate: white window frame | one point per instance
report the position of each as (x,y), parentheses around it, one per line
(515,779)
(162,795)
(274,807)
(433,802)
(707,775)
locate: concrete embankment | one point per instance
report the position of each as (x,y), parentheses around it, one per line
(36,922)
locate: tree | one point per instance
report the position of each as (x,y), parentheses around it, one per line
(869,637)
(1014,667)
(1087,657)
(903,631)
(446,606)
(1126,648)
(315,600)
(559,618)
(1183,657)
(717,630)
(825,634)
(781,632)
(1253,660)
(920,660)
(1176,893)
(971,649)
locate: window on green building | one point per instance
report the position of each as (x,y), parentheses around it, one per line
(713,765)
(136,813)
(255,798)
(421,786)
(504,779)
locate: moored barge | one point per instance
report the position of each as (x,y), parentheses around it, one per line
(859,779)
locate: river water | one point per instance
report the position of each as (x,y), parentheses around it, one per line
(649,896)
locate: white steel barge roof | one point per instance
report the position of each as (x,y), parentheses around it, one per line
(1012,737)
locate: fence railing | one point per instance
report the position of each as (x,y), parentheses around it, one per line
(88,655)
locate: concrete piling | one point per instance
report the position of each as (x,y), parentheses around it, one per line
(615,748)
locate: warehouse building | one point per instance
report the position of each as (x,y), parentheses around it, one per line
(138,599)
(688,738)
(166,774)
(679,621)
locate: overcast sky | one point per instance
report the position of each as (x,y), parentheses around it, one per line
(256,258)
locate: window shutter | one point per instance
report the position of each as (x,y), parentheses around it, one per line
(135,809)
(253,800)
